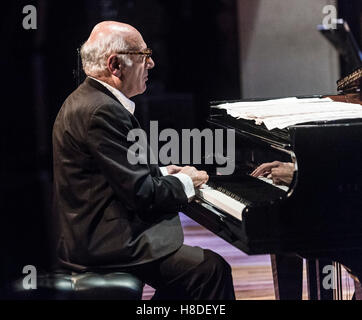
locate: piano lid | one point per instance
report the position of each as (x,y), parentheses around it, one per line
(345,43)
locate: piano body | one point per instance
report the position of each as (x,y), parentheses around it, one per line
(319,212)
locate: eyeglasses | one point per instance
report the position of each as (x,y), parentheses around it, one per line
(146,52)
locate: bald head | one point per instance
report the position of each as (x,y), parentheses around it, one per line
(106,56)
(123,30)
(108,37)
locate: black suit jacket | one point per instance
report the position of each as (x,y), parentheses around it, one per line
(111,213)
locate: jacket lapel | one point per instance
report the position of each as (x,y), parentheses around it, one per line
(95,84)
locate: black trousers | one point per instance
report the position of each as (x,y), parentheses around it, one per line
(190,273)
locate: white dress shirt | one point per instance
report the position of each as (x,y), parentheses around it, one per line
(130,106)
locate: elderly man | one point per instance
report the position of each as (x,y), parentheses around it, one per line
(114,214)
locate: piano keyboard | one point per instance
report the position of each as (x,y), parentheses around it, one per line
(221,201)
(227,201)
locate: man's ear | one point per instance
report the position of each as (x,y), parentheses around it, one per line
(114,65)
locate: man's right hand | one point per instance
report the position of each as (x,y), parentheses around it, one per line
(198,177)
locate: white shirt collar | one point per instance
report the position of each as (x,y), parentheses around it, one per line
(127,103)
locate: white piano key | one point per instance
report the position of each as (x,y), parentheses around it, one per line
(267,180)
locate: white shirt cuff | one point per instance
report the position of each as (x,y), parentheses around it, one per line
(164,171)
(185,180)
(187,184)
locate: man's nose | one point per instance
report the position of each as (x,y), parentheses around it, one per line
(150,63)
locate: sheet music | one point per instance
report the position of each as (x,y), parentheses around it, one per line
(281,113)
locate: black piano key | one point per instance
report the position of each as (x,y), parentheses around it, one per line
(246,189)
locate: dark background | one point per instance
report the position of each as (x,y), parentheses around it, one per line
(195,45)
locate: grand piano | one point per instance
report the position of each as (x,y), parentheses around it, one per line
(318,214)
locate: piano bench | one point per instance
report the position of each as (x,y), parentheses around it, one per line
(82,286)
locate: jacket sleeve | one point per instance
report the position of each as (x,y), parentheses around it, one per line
(132,183)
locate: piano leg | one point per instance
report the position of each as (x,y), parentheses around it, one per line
(287,276)
(315,279)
